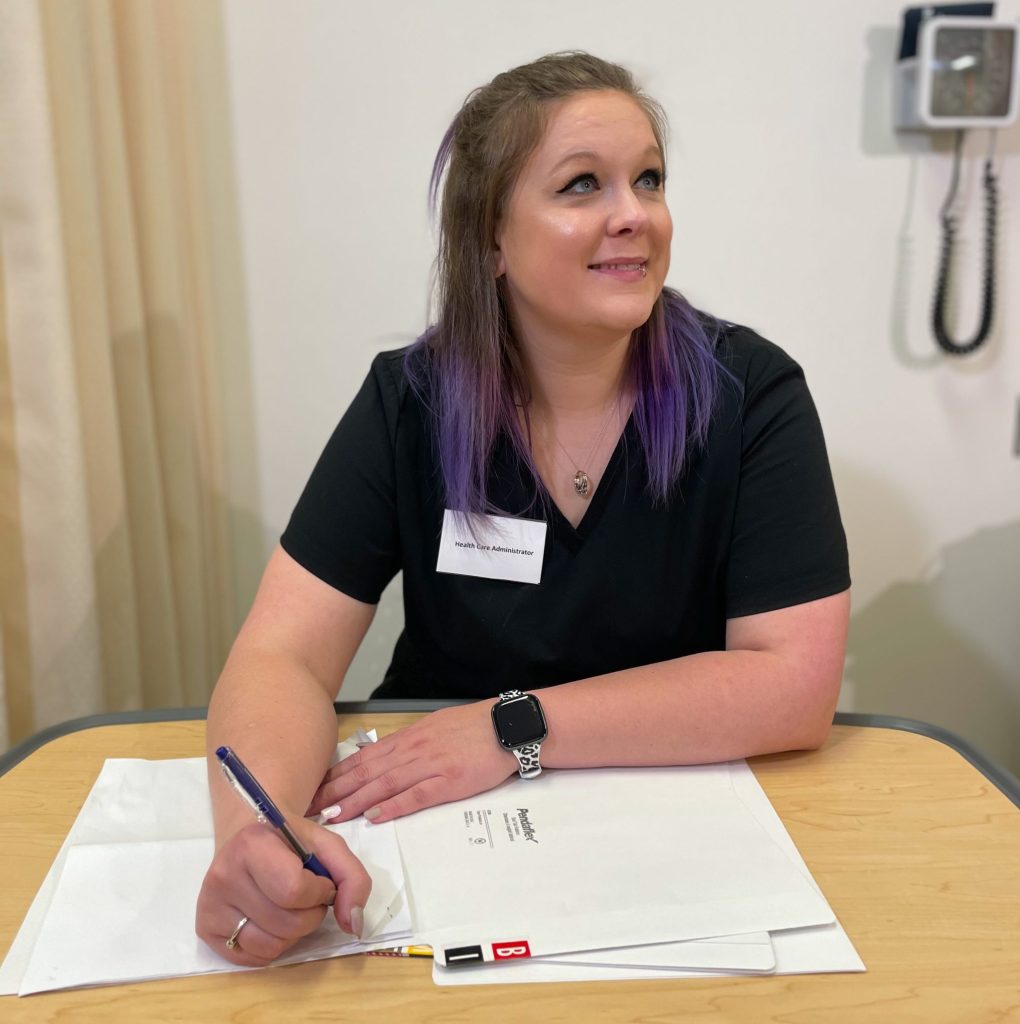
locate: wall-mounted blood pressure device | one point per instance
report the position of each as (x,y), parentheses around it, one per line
(958,69)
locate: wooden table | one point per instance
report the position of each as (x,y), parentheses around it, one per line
(917,851)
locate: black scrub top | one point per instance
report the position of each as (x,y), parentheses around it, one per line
(751,526)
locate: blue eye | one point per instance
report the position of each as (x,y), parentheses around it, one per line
(587,184)
(582,185)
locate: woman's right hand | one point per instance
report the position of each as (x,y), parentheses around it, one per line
(256,875)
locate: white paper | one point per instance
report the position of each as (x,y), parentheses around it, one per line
(126,912)
(12,970)
(499,547)
(810,950)
(118,903)
(744,954)
(104,817)
(135,801)
(600,858)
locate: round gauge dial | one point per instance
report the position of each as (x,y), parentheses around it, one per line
(972,72)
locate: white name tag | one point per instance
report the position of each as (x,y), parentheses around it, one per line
(500,548)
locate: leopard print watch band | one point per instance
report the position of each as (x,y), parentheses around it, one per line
(527,758)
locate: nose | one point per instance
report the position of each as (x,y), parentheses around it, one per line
(627,214)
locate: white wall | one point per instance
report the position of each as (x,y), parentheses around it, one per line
(798,211)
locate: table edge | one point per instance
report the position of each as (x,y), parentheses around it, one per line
(30,744)
(1003,779)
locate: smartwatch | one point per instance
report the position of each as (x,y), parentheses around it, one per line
(520,727)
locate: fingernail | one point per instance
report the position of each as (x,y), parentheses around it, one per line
(323,817)
(357,921)
(372,813)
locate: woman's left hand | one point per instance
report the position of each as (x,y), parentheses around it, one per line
(448,755)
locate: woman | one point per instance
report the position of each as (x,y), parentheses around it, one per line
(659,476)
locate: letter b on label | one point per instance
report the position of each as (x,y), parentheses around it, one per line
(510,950)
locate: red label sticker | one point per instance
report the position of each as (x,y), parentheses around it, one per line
(510,950)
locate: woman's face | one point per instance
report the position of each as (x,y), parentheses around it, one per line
(584,242)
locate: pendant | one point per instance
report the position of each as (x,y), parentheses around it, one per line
(581,483)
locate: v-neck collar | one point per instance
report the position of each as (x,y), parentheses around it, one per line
(572,536)
(510,488)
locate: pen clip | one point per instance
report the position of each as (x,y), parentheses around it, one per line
(232,779)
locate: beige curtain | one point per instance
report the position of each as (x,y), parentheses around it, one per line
(123,374)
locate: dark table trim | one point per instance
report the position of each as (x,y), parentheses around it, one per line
(21,750)
(1002,779)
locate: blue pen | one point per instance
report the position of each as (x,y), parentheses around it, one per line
(265,810)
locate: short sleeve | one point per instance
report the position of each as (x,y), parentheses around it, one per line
(344,527)
(788,544)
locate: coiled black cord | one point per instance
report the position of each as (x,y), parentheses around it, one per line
(962,348)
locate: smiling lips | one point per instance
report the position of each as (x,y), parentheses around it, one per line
(627,270)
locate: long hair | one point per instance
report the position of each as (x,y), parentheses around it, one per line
(467,365)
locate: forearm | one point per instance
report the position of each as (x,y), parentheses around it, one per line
(699,709)
(279,719)
(774,688)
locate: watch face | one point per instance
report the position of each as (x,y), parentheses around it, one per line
(519,721)
(972,72)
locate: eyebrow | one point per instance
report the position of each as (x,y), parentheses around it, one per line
(589,154)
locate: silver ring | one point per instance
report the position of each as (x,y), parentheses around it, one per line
(232,941)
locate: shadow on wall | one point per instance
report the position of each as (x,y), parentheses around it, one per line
(946,649)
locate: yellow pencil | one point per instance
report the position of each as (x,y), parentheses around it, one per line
(401,951)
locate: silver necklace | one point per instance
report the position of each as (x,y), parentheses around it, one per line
(582,482)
